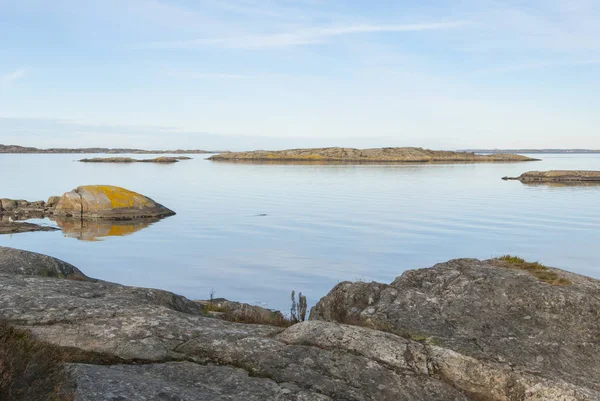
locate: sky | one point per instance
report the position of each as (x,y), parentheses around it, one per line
(247,74)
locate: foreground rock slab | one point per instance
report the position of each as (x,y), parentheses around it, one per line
(407,155)
(163,347)
(565,176)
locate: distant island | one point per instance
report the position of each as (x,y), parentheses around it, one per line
(376,155)
(495,151)
(570,176)
(126,160)
(23,149)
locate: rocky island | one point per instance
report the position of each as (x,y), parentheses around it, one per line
(465,330)
(86,203)
(558,176)
(377,155)
(126,160)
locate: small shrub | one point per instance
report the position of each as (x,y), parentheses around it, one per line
(298,309)
(29,369)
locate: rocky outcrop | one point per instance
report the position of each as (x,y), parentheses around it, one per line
(25,263)
(77,212)
(126,160)
(110,202)
(566,176)
(24,208)
(164,347)
(406,155)
(515,317)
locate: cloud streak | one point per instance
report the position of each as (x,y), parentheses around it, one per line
(13,76)
(540,65)
(311,36)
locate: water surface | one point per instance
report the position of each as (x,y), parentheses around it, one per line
(254,232)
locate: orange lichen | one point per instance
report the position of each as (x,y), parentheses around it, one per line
(118,197)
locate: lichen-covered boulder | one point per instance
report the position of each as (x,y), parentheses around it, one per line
(107,201)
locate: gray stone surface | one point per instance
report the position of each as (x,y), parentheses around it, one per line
(19,262)
(487,311)
(172,351)
(180,381)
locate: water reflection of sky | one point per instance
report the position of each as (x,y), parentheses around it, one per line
(323,224)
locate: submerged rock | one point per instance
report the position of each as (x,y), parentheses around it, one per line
(566,176)
(462,330)
(110,202)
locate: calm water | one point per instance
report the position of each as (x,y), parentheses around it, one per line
(323,223)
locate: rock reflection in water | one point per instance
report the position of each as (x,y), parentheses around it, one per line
(94,230)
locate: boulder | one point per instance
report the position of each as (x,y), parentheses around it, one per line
(18,262)
(8,204)
(524,315)
(52,201)
(106,201)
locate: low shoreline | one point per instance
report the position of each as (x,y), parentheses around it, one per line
(16,149)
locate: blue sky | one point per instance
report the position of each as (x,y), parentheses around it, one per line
(244,74)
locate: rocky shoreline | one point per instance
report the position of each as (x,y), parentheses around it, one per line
(88,211)
(558,176)
(377,155)
(500,329)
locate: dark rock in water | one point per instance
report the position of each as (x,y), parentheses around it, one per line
(11,227)
(167,349)
(560,176)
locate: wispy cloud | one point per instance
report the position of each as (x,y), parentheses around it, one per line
(189,74)
(13,76)
(540,65)
(311,36)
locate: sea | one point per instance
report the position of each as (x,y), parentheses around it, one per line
(253,232)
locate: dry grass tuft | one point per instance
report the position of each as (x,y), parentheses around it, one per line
(538,270)
(31,370)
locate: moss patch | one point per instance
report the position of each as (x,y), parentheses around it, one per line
(538,270)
